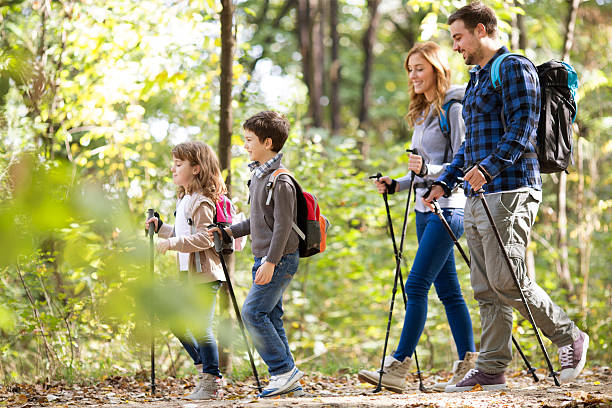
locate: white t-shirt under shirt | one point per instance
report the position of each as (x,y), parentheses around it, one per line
(181,227)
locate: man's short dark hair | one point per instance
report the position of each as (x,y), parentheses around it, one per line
(474,14)
(269,124)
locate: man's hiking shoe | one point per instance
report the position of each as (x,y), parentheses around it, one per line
(394,374)
(208,387)
(488,382)
(460,369)
(280,383)
(572,358)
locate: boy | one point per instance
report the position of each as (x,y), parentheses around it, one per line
(274,244)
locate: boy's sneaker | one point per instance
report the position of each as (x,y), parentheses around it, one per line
(460,369)
(572,358)
(394,374)
(488,382)
(295,391)
(280,383)
(208,387)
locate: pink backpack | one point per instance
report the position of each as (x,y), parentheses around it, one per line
(224,212)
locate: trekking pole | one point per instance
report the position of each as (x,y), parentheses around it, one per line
(530,369)
(438,212)
(401,279)
(219,249)
(398,274)
(518,285)
(150,231)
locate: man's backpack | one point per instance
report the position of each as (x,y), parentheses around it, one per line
(558,86)
(311,225)
(445,125)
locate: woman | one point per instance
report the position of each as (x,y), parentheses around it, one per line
(430,88)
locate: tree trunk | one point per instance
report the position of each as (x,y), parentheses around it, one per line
(318,64)
(590,221)
(369,39)
(519,32)
(580,215)
(562,227)
(570,28)
(562,188)
(225,111)
(334,69)
(304,37)
(225,143)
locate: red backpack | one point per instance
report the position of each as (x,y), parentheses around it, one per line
(311,224)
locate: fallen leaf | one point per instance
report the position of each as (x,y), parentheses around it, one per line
(477,387)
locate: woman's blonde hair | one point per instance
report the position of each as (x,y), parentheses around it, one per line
(419,106)
(208,180)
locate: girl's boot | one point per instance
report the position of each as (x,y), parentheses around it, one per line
(209,387)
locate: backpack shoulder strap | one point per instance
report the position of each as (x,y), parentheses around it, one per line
(496,81)
(495,77)
(298,190)
(445,124)
(272,181)
(188,206)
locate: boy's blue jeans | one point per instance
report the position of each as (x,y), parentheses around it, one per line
(435,263)
(199,340)
(263,311)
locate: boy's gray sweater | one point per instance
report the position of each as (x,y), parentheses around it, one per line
(270,225)
(430,143)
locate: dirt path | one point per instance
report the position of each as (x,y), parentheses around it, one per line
(593,389)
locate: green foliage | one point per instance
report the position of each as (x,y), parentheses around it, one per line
(94,94)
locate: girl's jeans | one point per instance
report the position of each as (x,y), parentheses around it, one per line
(199,340)
(263,311)
(435,263)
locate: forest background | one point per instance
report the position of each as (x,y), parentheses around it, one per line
(94,93)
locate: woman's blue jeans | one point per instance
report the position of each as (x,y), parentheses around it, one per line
(199,339)
(435,263)
(263,312)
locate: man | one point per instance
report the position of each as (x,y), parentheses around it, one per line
(496,158)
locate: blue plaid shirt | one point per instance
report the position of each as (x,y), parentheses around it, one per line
(498,151)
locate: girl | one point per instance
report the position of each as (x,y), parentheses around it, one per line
(195,170)
(430,88)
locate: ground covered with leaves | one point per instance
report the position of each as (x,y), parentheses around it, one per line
(592,389)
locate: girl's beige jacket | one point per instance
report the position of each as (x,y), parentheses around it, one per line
(202,210)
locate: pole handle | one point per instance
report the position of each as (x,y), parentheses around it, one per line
(436,205)
(150,214)
(218,242)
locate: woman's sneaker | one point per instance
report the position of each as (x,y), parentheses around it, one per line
(460,369)
(208,387)
(394,374)
(488,382)
(572,358)
(280,383)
